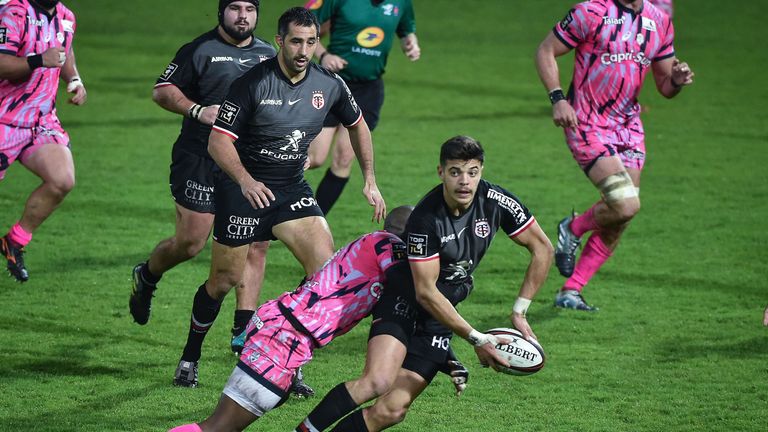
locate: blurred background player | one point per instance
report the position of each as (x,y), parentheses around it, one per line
(33,57)
(448,233)
(284,332)
(193,85)
(260,141)
(361,36)
(617,42)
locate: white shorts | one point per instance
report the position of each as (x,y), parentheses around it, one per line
(249,393)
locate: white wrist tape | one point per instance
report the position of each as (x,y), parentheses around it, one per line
(477,339)
(74,83)
(195,111)
(521,306)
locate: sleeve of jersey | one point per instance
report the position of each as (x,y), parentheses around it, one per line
(574,28)
(423,240)
(515,217)
(180,71)
(345,108)
(236,109)
(11,29)
(667,49)
(407,24)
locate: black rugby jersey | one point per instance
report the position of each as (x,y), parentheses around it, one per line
(460,242)
(203,70)
(273,121)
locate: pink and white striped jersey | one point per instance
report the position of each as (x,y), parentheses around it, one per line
(26,30)
(665,5)
(346,289)
(614,48)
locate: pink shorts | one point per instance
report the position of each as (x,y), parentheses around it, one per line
(589,143)
(19,143)
(276,350)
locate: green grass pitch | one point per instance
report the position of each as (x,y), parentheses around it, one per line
(678,344)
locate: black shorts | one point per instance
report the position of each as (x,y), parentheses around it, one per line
(192,181)
(369,95)
(237,223)
(395,312)
(428,354)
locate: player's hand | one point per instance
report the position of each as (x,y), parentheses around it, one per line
(459,376)
(765,317)
(307,163)
(563,115)
(333,63)
(79,95)
(208,114)
(521,323)
(485,349)
(410,47)
(257,193)
(54,57)
(681,73)
(371,192)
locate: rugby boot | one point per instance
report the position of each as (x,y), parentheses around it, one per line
(572,299)
(140,302)
(237,343)
(15,256)
(567,244)
(186,374)
(299,388)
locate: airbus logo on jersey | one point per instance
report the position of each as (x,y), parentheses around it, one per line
(639,58)
(613,21)
(221,59)
(274,102)
(293,140)
(508,203)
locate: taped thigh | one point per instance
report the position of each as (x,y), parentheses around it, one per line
(617,187)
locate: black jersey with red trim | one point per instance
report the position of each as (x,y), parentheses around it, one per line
(460,242)
(273,120)
(203,70)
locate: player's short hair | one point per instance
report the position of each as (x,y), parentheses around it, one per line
(298,16)
(396,220)
(461,147)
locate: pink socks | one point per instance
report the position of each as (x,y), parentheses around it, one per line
(593,256)
(584,222)
(187,428)
(19,236)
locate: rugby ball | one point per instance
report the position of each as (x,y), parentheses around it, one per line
(524,357)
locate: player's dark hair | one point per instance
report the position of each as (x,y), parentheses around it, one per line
(298,16)
(396,220)
(462,148)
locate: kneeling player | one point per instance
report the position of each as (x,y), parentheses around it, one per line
(284,332)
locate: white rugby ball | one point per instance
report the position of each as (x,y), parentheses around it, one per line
(524,357)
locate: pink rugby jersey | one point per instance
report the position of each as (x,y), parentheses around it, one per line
(615,47)
(347,288)
(26,30)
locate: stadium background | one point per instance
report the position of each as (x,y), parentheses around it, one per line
(677,344)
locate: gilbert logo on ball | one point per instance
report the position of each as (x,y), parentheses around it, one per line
(524,357)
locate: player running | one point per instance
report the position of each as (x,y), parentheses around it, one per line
(617,42)
(35,52)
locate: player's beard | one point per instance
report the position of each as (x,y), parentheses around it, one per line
(47,4)
(237,34)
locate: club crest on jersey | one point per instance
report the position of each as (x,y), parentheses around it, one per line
(417,245)
(482,228)
(228,112)
(60,37)
(169,70)
(318,101)
(640,38)
(3,35)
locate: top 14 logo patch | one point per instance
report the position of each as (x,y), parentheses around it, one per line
(3,35)
(169,70)
(228,112)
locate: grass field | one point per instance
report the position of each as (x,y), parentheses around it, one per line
(677,345)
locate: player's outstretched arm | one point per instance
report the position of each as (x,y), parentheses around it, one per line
(546,65)
(13,68)
(362,144)
(541,252)
(173,99)
(221,147)
(671,75)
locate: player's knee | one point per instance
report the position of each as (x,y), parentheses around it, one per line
(628,208)
(376,385)
(190,247)
(62,185)
(391,415)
